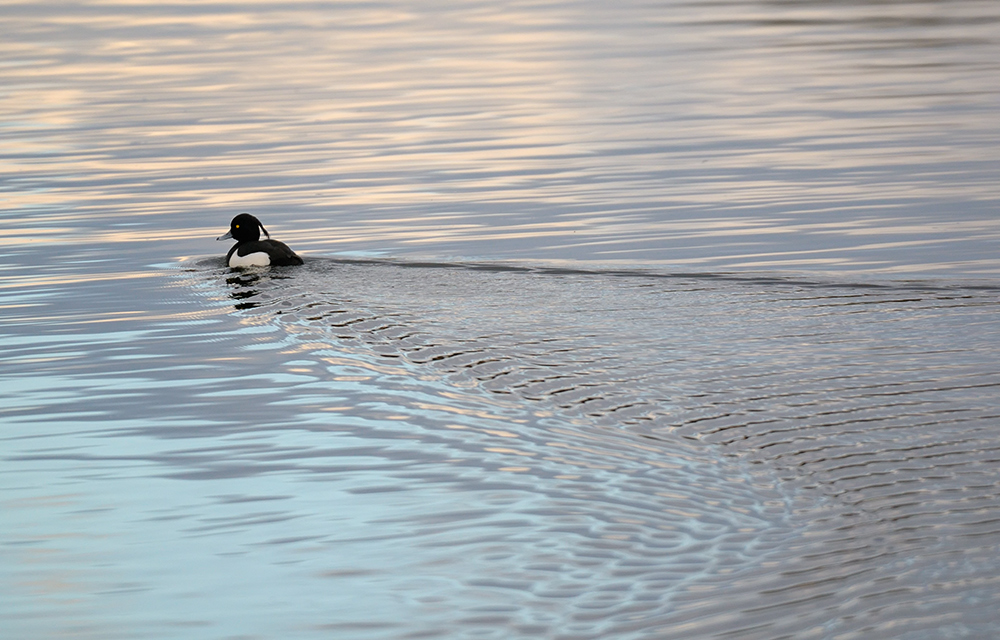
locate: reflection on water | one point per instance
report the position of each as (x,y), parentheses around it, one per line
(647,321)
(379,449)
(798,135)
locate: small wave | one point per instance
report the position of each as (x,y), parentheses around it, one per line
(868,406)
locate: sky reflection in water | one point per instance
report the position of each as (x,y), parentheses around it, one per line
(798,135)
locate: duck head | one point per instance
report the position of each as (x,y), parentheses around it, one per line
(244,228)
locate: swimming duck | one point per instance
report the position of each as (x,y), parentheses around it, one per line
(250,250)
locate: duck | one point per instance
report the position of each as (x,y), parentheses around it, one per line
(250,250)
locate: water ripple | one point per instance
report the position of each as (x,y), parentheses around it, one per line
(869,453)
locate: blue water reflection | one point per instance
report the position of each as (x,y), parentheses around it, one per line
(606,461)
(363,494)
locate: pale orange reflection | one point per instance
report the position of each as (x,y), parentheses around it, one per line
(423,127)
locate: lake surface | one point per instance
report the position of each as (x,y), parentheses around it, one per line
(634,320)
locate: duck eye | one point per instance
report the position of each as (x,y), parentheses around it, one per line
(236,226)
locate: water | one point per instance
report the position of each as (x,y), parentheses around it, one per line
(642,320)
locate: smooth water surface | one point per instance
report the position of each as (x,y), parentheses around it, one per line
(635,320)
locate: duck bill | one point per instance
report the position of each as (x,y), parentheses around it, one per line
(228,236)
